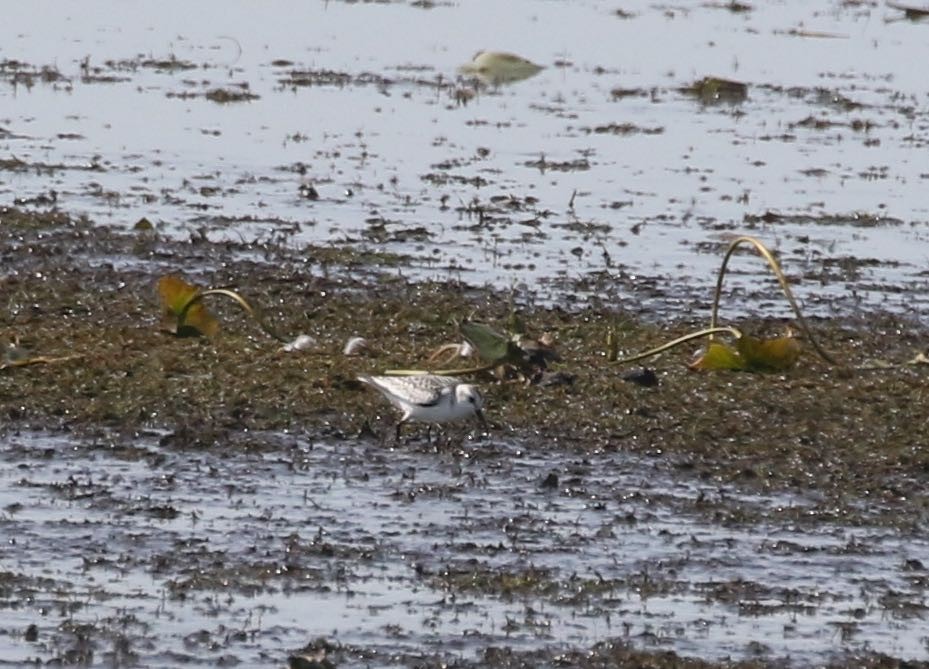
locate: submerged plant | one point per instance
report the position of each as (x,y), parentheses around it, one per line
(715,89)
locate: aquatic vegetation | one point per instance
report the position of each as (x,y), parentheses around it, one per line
(716,89)
(493,347)
(507,356)
(752,354)
(525,355)
(239,93)
(232,502)
(749,353)
(17,356)
(184,314)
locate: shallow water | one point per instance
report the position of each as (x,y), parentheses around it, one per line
(597,178)
(831,137)
(130,550)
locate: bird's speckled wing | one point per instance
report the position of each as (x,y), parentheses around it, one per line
(421,389)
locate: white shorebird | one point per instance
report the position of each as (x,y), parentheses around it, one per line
(429,398)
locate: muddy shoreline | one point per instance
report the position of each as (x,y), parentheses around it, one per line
(827,447)
(70,287)
(362,170)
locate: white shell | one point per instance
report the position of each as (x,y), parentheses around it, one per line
(356,346)
(301,343)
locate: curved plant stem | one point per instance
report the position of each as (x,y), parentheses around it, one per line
(785,287)
(241,301)
(439,372)
(690,336)
(39,360)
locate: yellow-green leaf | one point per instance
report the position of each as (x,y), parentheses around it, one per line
(769,355)
(718,356)
(752,354)
(176,294)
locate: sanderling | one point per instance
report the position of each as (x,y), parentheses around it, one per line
(429,398)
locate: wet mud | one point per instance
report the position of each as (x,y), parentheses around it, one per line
(221,501)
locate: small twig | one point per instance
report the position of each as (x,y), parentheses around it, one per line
(439,372)
(446,352)
(882,365)
(39,360)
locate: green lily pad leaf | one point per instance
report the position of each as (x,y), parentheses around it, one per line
(769,355)
(492,346)
(718,356)
(751,354)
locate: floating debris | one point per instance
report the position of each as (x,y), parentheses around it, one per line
(623,129)
(715,89)
(909,12)
(238,93)
(733,6)
(815,34)
(642,376)
(308,192)
(498,67)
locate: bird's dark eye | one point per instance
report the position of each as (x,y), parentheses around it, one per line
(471,400)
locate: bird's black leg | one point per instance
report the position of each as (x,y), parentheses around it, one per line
(399,425)
(482,420)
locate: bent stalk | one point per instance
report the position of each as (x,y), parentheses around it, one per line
(785,287)
(238,299)
(690,336)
